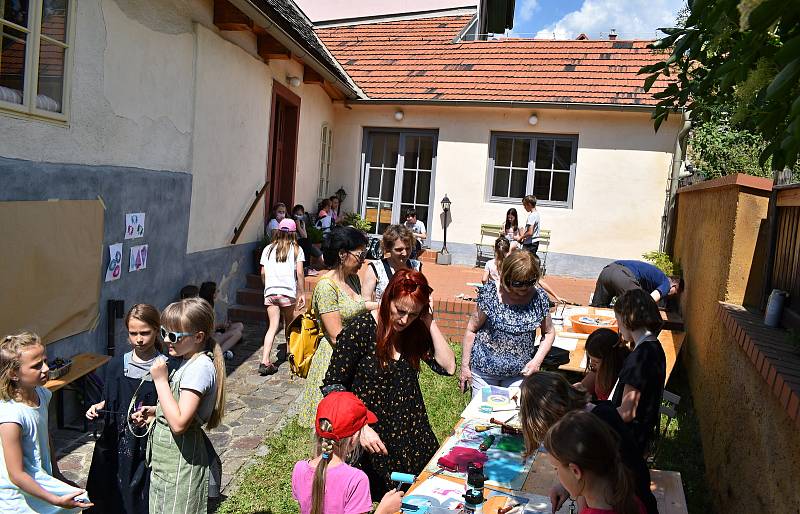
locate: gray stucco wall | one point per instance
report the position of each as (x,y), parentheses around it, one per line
(164,197)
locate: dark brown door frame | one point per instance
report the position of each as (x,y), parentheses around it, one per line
(281,181)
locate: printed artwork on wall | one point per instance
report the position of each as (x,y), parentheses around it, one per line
(114,269)
(138,259)
(134,225)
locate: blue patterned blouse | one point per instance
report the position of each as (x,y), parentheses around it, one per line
(505,343)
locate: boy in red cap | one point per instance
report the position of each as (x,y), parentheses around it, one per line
(326,484)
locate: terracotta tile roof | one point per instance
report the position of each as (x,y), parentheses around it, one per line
(417,60)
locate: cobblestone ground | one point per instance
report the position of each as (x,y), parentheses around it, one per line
(256,406)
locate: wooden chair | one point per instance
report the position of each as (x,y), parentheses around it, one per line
(669,404)
(544,249)
(484,248)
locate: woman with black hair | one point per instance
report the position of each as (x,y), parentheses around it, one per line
(336,300)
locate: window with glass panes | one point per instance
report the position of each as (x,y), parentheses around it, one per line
(34,49)
(537,164)
(325,161)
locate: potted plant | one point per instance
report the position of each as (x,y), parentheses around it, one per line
(357,221)
(315,235)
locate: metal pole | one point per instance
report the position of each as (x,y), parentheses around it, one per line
(444,246)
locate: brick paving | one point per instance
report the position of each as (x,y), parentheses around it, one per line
(256,407)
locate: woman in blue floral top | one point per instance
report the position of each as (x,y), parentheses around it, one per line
(500,347)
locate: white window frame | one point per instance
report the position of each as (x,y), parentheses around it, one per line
(531,168)
(28,107)
(326,138)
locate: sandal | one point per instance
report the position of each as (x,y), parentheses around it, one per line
(267,369)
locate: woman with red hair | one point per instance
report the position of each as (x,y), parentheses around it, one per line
(377,357)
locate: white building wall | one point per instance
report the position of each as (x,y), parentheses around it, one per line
(155,85)
(321,10)
(621,176)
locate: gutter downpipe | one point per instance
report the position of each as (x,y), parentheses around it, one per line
(670,211)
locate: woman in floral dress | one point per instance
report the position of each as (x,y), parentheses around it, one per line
(336,300)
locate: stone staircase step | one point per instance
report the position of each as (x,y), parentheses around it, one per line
(254,281)
(247,313)
(250,296)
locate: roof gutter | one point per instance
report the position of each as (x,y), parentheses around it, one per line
(256,14)
(506,103)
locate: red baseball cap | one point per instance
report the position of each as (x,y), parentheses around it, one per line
(346,413)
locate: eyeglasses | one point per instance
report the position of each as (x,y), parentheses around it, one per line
(409,286)
(360,256)
(173,337)
(522,283)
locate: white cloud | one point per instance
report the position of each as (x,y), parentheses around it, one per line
(632,19)
(525,10)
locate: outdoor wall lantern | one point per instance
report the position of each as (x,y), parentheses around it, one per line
(399,115)
(292,80)
(533,119)
(444,257)
(341,194)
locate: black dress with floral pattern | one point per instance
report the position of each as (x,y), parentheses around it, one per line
(393,394)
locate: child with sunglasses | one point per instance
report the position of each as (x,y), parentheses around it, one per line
(188,397)
(119,480)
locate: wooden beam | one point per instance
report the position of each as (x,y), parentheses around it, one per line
(228,17)
(333,91)
(271,48)
(310,76)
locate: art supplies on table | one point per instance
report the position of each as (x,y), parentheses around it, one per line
(434,493)
(503,464)
(492,402)
(518,502)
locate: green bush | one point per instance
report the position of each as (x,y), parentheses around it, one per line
(663,262)
(314,234)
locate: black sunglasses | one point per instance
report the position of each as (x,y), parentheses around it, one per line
(409,286)
(522,283)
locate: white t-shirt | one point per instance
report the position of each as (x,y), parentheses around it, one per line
(534,221)
(201,376)
(281,277)
(494,273)
(417,228)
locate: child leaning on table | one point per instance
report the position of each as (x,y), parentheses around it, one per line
(327,484)
(27,483)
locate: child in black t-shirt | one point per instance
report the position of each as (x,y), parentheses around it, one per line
(640,385)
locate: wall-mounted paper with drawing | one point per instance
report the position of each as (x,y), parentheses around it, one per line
(114,268)
(134,225)
(138,258)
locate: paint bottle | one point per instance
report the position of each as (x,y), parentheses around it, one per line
(473,498)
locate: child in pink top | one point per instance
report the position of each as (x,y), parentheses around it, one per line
(343,488)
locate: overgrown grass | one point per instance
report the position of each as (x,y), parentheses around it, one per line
(265,487)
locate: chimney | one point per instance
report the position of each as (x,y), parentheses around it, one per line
(612,35)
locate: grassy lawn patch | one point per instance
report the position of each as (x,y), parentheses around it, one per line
(266,486)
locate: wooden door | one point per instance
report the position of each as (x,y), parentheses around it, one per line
(282,148)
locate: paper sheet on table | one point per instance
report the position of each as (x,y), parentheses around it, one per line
(501,412)
(532,503)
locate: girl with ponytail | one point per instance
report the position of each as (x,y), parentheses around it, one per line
(585,453)
(327,484)
(188,397)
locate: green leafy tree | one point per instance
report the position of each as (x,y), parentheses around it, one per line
(742,53)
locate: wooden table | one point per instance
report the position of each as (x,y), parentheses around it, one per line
(82,365)
(670,340)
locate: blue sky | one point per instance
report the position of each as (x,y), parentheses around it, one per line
(632,19)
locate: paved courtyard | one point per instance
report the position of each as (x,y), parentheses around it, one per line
(256,406)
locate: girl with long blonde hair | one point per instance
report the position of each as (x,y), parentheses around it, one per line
(284,285)
(191,395)
(27,469)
